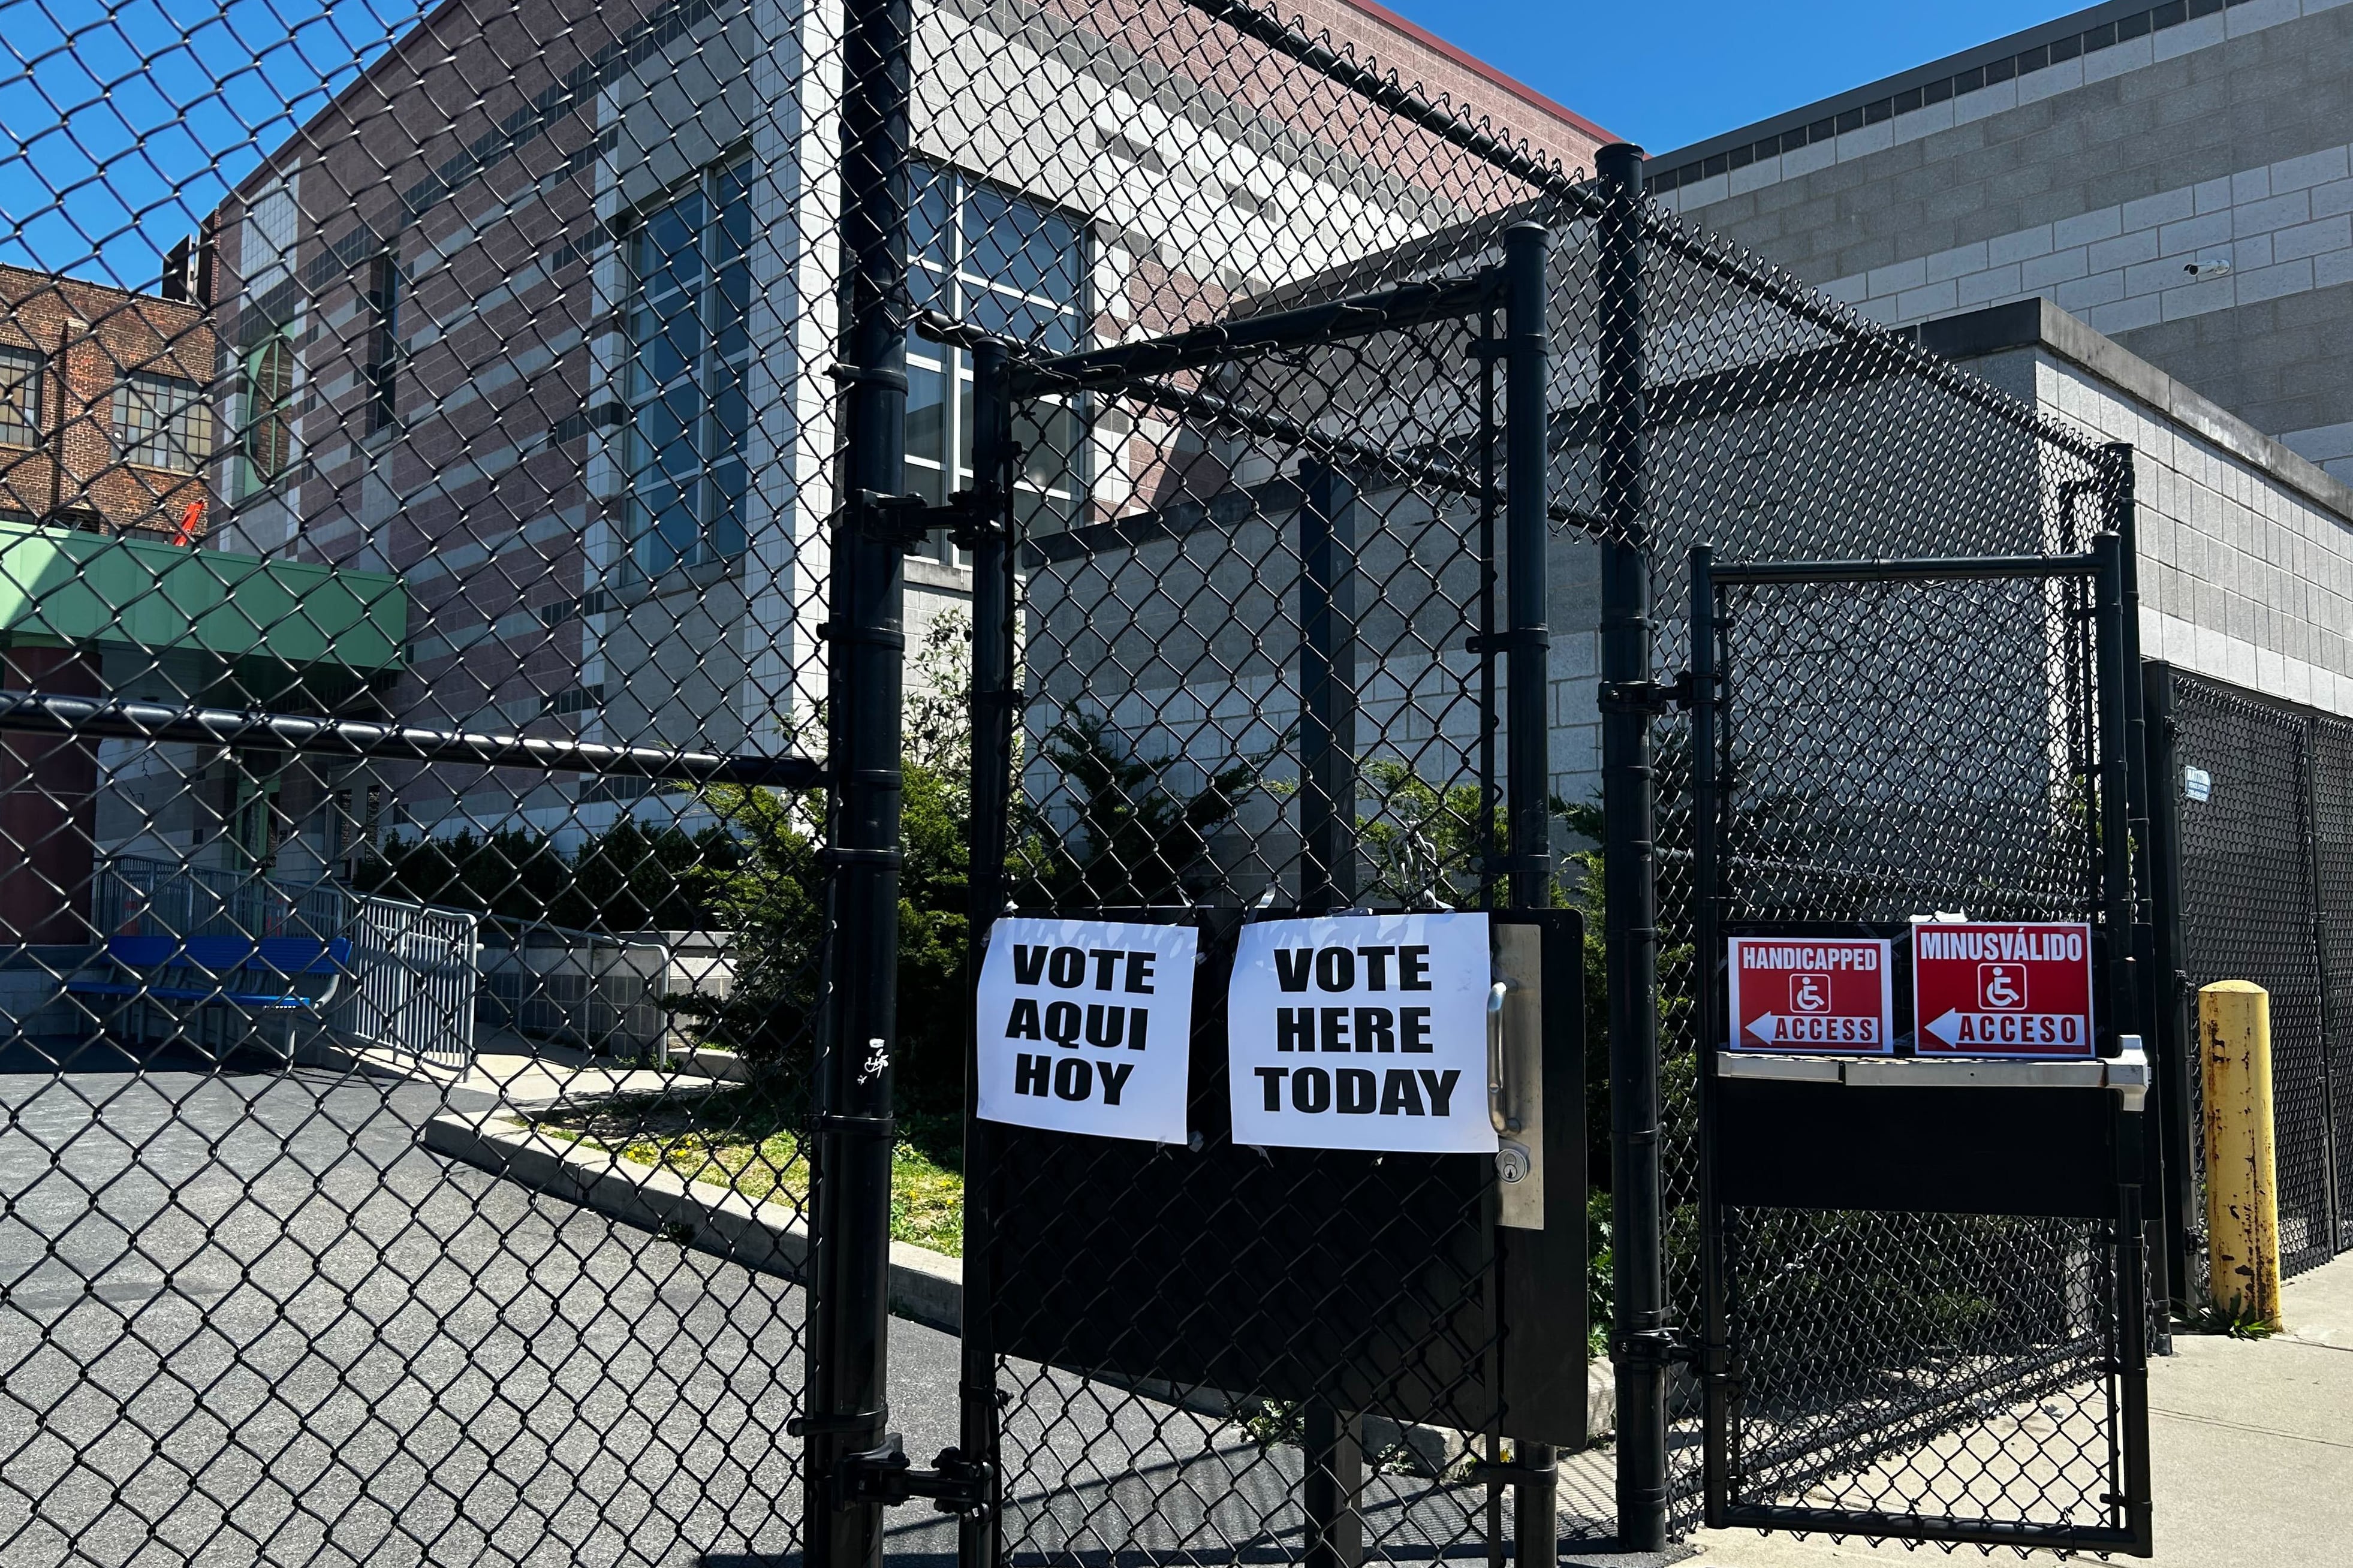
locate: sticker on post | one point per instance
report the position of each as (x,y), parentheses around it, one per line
(1086,1026)
(1361,1032)
(2001,988)
(1812,993)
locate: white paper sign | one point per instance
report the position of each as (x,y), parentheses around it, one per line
(1361,1032)
(1086,1025)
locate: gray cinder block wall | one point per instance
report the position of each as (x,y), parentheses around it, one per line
(2246,548)
(2177,176)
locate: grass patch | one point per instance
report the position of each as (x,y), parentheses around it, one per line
(2233,1320)
(752,1143)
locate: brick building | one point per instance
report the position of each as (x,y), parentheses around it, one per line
(557,360)
(106,407)
(106,425)
(118,423)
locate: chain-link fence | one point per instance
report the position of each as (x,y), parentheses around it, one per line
(2260,796)
(1780,429)
(415,462)
(1946,1341)
(539,465)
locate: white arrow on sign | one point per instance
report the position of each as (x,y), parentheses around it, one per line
(2008,1029)
(1816,1029)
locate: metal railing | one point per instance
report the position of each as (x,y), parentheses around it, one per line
(591,989)
(417,972)
(413,969)
(135,895)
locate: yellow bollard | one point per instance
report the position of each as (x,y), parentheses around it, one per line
(2243,1247)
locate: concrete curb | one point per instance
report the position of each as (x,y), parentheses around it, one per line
(724,1067)
(925,1287)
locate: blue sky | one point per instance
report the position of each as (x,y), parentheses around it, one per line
(123,122)
(1671,72)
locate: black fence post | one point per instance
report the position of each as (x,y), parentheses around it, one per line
(844,1413)
(1327,881)
(994,700)
(1334,1487)
(1527,767)
(1327,680)
(2115,768)
(2124,517)
(1629,873)
(1707,1003)
(2123,1003)
(2175,1050)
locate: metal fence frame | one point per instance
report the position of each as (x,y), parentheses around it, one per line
(417,972)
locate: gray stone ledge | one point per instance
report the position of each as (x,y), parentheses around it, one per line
(2038,324)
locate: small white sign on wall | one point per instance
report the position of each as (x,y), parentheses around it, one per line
(1361,1032)
(1086,1026)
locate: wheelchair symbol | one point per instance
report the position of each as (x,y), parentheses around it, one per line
(2001,987)
(1809,993)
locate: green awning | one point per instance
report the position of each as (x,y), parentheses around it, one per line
(59,586)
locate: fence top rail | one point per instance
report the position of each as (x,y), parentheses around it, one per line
(57,713)
(1386,310)
(1956,568)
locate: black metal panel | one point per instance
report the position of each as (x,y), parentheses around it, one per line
(1242,1275)
(1285,1274)
(1976,1150)
(2332,847)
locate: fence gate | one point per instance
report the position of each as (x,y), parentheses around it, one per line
(1309,680)
(1926,1309)
(415,977)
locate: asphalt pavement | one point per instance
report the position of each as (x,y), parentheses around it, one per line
(246,1318)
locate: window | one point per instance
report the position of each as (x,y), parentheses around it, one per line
(266,249)
(691,351)
(20,397)
(163,422)
(383,342)
(268,442)
(1011,266)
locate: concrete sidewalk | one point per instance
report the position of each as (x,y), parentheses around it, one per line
(2251,1443)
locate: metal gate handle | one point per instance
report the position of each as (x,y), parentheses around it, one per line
(1497,1111)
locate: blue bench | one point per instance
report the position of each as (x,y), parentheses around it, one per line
(259,973)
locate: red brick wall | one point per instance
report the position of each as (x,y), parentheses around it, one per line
(48,807)
(90,337)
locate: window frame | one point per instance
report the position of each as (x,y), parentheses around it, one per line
(28,411)
(259,476)
(386,282)
(936,476)
(183,427)
(717,369)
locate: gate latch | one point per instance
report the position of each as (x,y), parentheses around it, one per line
(1649,696)
(968,517)
(1646,1349)
(883,1476)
